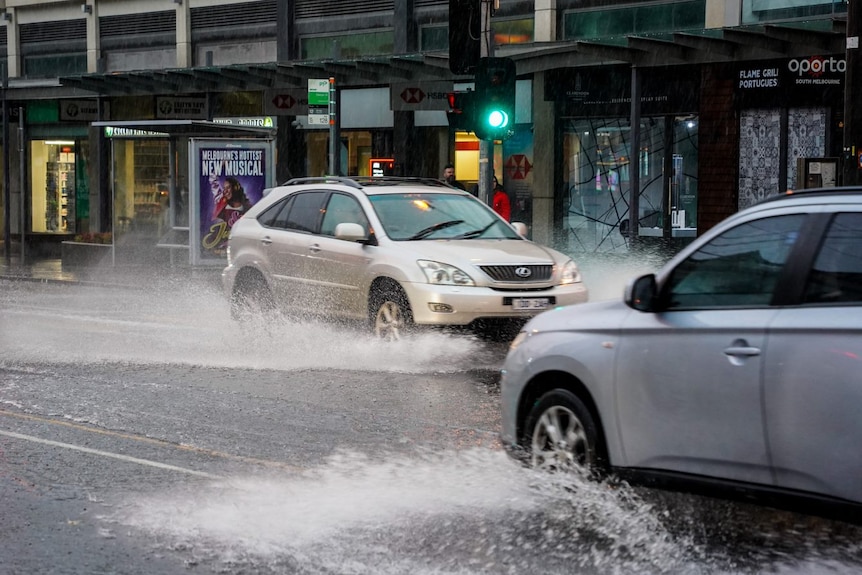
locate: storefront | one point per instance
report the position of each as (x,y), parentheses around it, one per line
(790,112)
(168,182)
(596,155)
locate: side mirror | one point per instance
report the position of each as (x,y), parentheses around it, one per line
(641,293)
(521,228)
(350,232)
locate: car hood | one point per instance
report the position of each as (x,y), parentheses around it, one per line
(601,315)
(481,252)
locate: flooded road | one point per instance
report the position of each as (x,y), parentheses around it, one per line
(142,432)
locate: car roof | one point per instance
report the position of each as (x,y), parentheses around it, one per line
(819,195)
(372,185)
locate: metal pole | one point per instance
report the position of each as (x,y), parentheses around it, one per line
(7,193)
(486,148)
(634,160)
(21,180)
(333,133)
(852,108)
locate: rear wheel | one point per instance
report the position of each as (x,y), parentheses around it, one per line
(561,434)
(391,317)
(251,297)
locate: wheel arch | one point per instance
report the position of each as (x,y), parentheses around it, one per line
(549,380)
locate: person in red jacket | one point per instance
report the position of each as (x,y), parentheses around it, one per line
(500,201)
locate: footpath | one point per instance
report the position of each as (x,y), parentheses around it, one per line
(52,270)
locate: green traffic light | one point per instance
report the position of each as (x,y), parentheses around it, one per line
(498,119)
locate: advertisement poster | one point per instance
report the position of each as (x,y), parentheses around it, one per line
(230,178)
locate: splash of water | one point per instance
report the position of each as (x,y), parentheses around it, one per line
(473,511)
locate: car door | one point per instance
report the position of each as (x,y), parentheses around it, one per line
(813,371)
(287,239)
(689,377)
(337,268)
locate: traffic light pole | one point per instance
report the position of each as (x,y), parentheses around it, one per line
(486,147)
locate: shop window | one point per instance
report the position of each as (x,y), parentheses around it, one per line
(597,176)
(512,31)
(347,45)
(54,65)
(635,19)
(755,11)
(52,203)
(141,187)
(433,38)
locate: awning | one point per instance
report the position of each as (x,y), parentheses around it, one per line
(736,44)
(190,128)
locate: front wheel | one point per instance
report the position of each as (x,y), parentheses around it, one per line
(391,317)
(251,298)
(561,434)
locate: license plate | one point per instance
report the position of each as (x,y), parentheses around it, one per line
(528,303)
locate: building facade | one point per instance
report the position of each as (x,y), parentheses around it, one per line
(106,103)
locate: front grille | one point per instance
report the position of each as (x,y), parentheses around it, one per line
(515,274)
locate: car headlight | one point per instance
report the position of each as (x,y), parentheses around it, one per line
(519,339)
(444,274)
(570,274)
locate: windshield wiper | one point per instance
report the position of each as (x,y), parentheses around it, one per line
(431,229)
(475,233)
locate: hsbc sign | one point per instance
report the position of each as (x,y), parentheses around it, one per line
(287,102)
(420,96)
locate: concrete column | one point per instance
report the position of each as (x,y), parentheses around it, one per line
(543,164)
(185,50)
(722,13)
(94,41)
(13,45)
(545,22)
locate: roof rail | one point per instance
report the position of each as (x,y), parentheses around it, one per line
(359,181)
(837,190)
(391,180)
(323,179)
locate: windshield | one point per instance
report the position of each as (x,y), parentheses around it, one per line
(437,216)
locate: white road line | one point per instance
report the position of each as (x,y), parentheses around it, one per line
(109,454)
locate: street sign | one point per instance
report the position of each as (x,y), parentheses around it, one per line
(318,102)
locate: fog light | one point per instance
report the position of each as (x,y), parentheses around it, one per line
(441,307)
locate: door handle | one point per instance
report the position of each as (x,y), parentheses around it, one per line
(266,240)
(739,351)
(314,248)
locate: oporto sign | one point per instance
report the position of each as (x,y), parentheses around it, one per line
(817,71)
(805,73)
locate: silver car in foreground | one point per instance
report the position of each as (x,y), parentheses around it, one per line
(396,252)
(739,361)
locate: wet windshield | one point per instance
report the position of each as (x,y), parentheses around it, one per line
(438,216)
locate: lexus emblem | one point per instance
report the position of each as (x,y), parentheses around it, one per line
(523,272)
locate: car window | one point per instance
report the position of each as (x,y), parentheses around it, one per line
(303,214)
(836,275)
(342,209)
(738,268)
(276,215)
(419,216)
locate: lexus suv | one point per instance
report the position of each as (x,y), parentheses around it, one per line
(396,252)
(738,363)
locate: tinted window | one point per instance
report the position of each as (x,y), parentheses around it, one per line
(270,216)
(305,211)
(342,209)
(836,275)
(739,268)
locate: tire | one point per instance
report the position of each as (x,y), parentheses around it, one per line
(251,298)
(390,314)
(561,434)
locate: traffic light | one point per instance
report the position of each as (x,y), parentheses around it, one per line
(465,19)
(494,99)
(461,110)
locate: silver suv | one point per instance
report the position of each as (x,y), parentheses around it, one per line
(739,361)
(396,252)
